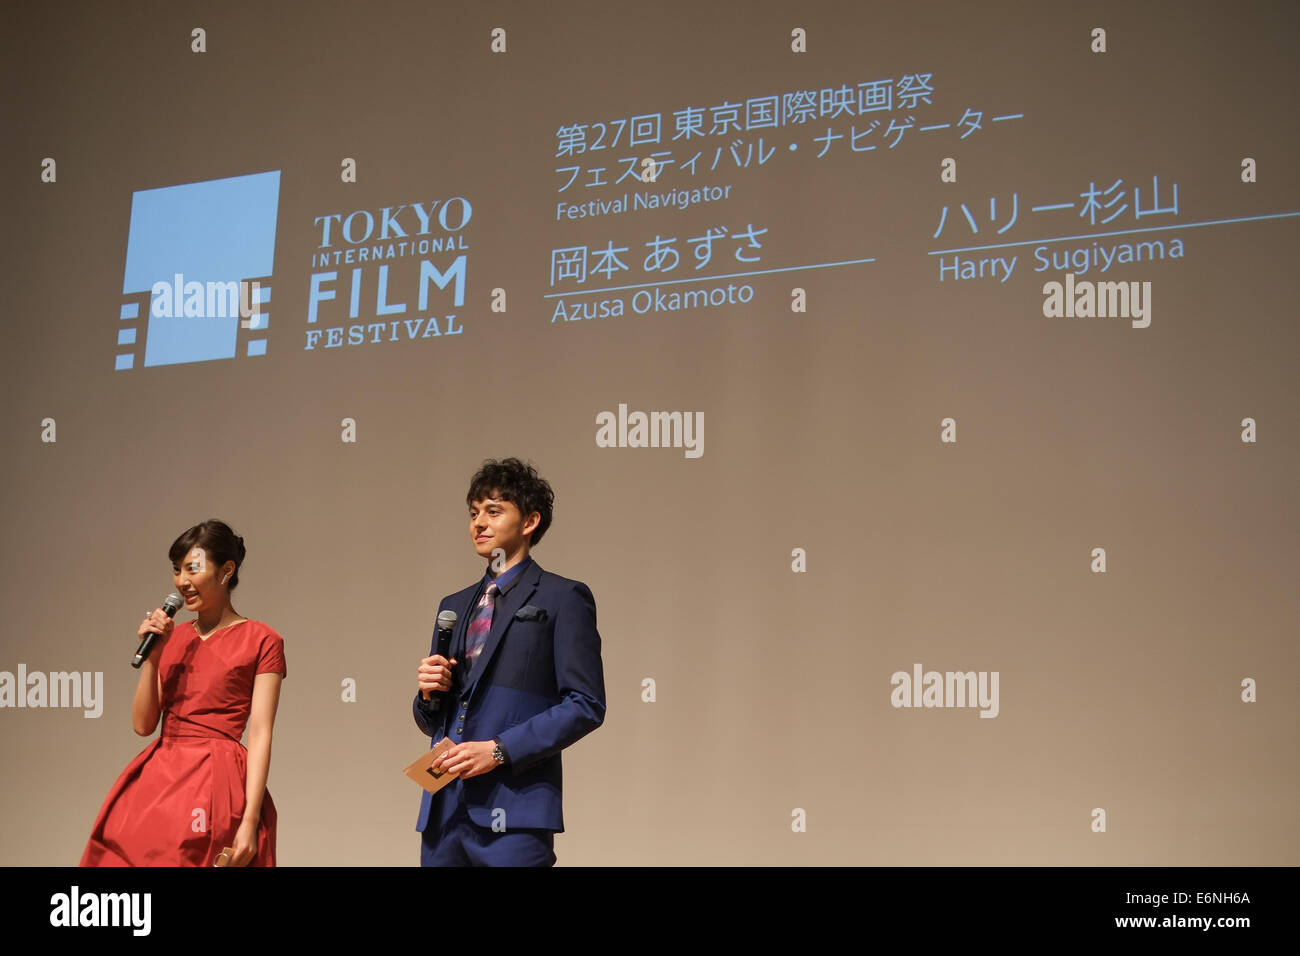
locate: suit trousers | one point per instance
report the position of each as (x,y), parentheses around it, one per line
(461,842)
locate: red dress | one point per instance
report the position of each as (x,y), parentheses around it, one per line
(181,799)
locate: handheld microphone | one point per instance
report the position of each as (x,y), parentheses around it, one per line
(446,624)
(170,607)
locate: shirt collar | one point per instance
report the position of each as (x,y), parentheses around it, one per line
(506,578)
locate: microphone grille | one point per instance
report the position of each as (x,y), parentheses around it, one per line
(173,604)
(446,620)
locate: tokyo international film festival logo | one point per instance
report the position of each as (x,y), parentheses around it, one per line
(199,259)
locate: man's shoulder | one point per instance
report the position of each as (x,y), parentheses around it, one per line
(461,596)
(549,580)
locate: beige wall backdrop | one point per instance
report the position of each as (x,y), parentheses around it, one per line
(1119,690)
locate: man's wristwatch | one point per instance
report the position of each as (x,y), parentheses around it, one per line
(498,754)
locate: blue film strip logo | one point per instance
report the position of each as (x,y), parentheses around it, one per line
(199,260)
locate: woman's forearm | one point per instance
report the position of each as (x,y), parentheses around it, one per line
(259,767)
(145,706)
(266,697)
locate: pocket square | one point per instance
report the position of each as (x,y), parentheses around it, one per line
(530,612)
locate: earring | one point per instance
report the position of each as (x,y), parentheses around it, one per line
(225,579)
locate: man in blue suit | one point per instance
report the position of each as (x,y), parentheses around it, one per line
(523,682)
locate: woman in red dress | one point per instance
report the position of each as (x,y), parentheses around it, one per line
(196,790)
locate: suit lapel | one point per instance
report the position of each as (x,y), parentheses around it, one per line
(508,604)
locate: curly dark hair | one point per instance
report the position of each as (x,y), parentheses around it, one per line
(513,480)
(217,539)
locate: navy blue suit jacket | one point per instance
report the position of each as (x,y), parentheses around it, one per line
(538,686)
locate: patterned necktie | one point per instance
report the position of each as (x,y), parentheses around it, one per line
(479,627)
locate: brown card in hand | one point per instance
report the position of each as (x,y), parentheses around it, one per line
(421,774)
(225,856)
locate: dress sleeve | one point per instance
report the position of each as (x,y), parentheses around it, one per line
(270,655)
